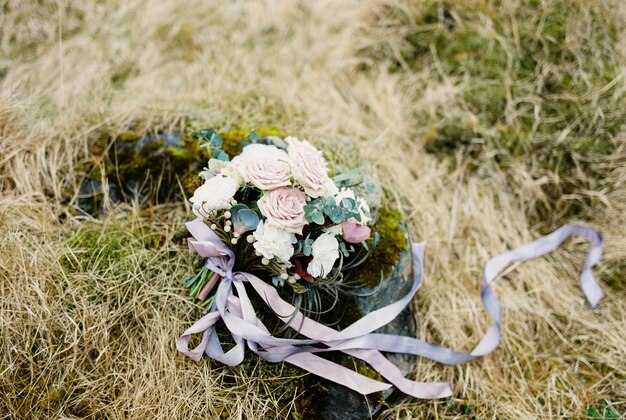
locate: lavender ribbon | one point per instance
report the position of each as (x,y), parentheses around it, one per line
(359,339)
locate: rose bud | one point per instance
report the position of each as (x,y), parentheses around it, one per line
(354,232)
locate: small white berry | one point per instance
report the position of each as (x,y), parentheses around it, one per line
(284,276)
(227,228)
(228,223)
(213,226)
(233,241)
(257,253)
(250,239)
(227,214)
(297,276)
(236,235)
(291,280)
(265,261)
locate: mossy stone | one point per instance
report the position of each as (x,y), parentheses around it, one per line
(153,168)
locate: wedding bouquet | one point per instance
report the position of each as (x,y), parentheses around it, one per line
(274,221)
(282,216)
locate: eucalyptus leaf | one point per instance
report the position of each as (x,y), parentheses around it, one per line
(309,209)
(276,141)
(244,219)
(336,215)
(253,136)
(220,155)
(348,203)
(318,218)
(349,178)
(216,141)
(206,133)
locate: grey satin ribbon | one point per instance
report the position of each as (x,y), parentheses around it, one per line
(357,340)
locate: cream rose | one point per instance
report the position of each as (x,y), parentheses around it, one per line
(284,208)
(308,167)
(215,194)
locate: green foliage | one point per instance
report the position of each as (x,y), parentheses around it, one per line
(317,210)
(213,142)
(314,212)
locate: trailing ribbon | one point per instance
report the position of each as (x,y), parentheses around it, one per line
(357,340)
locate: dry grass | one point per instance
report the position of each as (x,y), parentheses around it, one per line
(89,309)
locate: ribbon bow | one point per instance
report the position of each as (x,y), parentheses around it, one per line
(357,340)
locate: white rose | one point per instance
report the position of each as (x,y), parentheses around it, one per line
(231,171)
(272,241)
(364,209)
(325,251)
(215,167)
(214,194)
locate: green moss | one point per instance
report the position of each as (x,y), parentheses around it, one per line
(109,255)
(98,248)
(233,138)
(385,255)
(155,164)
(361,367)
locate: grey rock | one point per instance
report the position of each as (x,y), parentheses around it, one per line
(345,404)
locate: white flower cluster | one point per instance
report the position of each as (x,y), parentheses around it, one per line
(282,183)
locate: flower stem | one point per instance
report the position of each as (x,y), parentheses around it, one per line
(199,283)
(208,286)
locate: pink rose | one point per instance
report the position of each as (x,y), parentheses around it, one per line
(308,167)
(265,166)
(267,173)
(354,232)
(284,208)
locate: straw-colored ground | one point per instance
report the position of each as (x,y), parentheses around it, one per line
(491,121)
